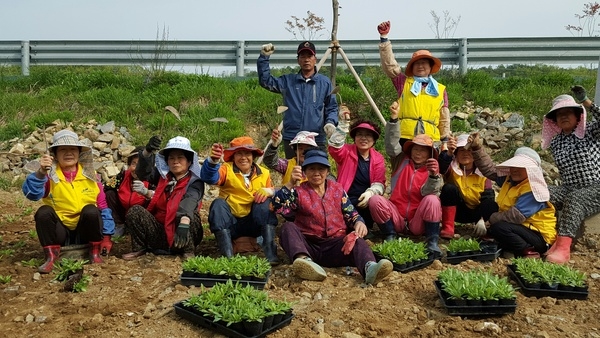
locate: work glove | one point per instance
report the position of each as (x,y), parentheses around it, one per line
(344,118)
(138,186)
(329,129)
(105,245)
(363,200)
(384,29)
(276,138)
(479,229)
(216,152)
(153,144)
(182,236)
(473,142)
(267,49)
(262,194)
(349,241)
(579,93)
(433,167)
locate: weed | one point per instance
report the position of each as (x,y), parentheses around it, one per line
(5,279)
(32,263)
(6,253)
(27,211)
(19,244)
(117,239)
(10,218)
(33,234)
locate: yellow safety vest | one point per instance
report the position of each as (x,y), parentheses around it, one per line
(234,190)
(420,112)
(470,186)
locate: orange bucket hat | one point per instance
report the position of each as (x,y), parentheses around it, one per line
(422,140)
(241,143)
(423,54)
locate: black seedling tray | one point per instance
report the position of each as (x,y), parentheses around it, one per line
(414,266)
(211,280)
(541,292)
(473,310)
(228,331)
(488,253)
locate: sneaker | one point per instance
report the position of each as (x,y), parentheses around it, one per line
(375,272)
(305,268)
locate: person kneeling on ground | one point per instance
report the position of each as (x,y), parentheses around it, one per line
(75,209)
(525,223)
(245,189)
(327,230)
(171,223)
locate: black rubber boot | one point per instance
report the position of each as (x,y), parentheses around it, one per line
(432,234)
(268,244)
(224,242)
(387,231)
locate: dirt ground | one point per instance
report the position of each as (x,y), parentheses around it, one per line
(135,299)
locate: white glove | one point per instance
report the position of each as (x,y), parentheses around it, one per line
(138,186)
(344,119)
(479,229)
(267,49)
(329,129)
(363,200)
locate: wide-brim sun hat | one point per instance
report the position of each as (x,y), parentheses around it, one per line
(423,54)
(241,143)
(305,137)
(365,126)
(67,137)
(461,140)
(530,160)
(181,143)
(422,140)
(564,101)
(315,156)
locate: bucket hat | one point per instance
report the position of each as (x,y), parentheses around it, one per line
(178,142)
(549,126)
(367,126)
(422,140)
(564,101)
(529,159)
(67,137)
(315,156)
(305,137)
(306,45)
(423,54)
(241,143)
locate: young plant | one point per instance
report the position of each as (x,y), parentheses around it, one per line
(82,284)
(32,263)
(117,239)
(33,234)
(27,211)
(5,279)
(401,251)
(462,245)
(66,267)
(6,253)
(19,244)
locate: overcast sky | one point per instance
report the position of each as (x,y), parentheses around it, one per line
(265,19)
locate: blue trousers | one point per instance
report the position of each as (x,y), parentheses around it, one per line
(221,218)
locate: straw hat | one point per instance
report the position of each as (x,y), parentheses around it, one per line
(423,54)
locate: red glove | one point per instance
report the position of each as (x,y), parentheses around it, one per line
(384,28)
(216,152)
(433,167)
(349,241)
(105,245)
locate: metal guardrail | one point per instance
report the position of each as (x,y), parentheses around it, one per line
(462,53)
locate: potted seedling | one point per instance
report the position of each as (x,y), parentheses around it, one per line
(207,270)
(404,254)
(462,246)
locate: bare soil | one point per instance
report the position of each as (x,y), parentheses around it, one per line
(135,298)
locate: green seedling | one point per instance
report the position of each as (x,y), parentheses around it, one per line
(27,211)
(33,234)
(117,239)
(19,244)
(6,253)
(32,263)
(5,279)
(67,267)
(82,284)
(10,218)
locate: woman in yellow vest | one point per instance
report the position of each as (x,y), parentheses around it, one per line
(525,223)
(245,190)
(303,141)
(75,209)
(467,196)
(423,101)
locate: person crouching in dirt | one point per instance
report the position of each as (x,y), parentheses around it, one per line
(525,223)
(242,210)
(575,148)
(170,224)
(75,209)
(303,141)
(467,196)
(327,230)
(125,190)
(414,207)
(423,101)
(361,168)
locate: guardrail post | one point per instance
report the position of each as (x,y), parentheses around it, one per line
(239,64)
(462,56)
(597,96)
(25,58)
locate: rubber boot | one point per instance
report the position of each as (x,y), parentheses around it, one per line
(448,214)
(432,234)
(224,242)
(387,231)
(268,244)
(95,252)
(560,252)
(51,252)
(530,253)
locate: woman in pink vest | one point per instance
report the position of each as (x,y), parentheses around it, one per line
(171,222)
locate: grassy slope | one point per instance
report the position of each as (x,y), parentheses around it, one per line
(136,99)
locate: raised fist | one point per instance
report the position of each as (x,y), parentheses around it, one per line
(267,49)
(384,28)
(153,144)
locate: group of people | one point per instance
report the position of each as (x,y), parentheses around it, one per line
(436,180)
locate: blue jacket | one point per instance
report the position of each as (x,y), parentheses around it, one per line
(309,101)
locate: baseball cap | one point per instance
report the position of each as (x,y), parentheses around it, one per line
(306,45)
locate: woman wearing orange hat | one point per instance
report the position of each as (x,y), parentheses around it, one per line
(245,189)
(423,101)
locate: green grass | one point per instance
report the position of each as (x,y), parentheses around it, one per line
(134,100)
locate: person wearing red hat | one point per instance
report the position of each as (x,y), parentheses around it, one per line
(423,101)
(361,168)
(308,95)
(575,147)
(245,190)
(414,205)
